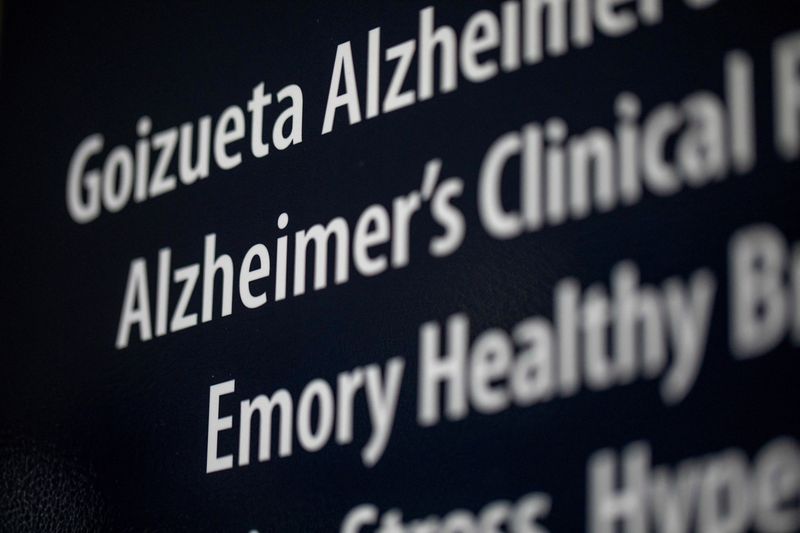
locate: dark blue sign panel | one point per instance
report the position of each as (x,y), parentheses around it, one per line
(528,267)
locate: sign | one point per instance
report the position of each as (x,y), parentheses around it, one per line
(529,266)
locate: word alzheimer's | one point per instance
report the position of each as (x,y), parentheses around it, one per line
(525,33)
(379,240)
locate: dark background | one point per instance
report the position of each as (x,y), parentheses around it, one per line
(116,440)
